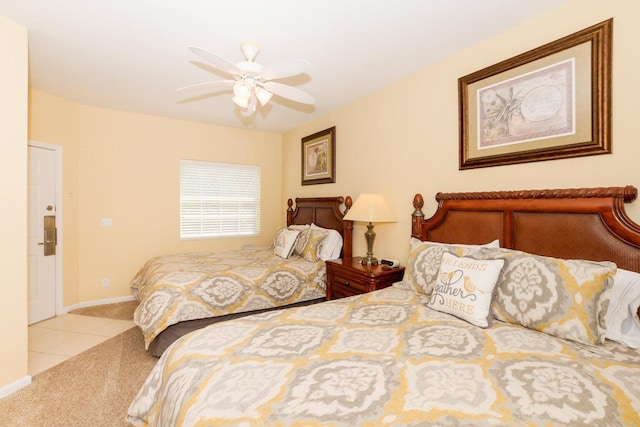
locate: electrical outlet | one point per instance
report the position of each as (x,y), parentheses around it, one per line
(105,283)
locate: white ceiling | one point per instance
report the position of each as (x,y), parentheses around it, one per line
(132,54)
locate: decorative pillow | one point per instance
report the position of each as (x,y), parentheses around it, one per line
(299,227)
(563,298)
(332,245)
(309,244)
(284,241)
(623,324)
(464,287)
(424,261)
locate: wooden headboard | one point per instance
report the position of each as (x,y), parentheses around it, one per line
(577,223)
(324,212)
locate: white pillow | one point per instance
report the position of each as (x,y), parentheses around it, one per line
(623,324)
(332,245)
(284,241)
(464,287)
(299,227)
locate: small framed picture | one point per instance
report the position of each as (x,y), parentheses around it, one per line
(319,157)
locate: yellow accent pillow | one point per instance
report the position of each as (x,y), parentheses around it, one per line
(309,244)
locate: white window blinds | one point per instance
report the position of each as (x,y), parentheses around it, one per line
(219,199)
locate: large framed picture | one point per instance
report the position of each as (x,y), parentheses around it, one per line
(549,103)
(319,157)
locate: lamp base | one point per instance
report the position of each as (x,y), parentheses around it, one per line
(370,235)
(369,260)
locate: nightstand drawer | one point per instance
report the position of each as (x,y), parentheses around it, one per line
(348,285)
(343,292)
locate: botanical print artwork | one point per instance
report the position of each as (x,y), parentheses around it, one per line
(551,102)
(532,106)
(317,158)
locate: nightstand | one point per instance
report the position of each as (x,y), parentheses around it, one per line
(347,277)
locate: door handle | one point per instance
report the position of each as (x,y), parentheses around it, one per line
(50,235)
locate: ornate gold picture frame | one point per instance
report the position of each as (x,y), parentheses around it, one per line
(319,157)
(552,102)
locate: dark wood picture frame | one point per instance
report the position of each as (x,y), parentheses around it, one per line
(319,157)
(551,102)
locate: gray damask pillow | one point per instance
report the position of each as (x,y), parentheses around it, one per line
(563,298)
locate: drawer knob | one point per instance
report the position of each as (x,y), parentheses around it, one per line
(347,283)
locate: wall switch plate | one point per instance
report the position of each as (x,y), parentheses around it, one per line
(106,222)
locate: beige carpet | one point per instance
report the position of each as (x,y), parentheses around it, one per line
(120,310)
(94,388)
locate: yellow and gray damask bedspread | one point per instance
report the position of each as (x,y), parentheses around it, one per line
(384,359)
(199,285)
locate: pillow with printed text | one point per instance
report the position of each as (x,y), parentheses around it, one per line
(464,288)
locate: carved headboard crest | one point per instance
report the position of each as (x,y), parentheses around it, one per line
(627,193)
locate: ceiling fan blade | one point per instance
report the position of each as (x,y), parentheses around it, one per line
(289,92)
(208,85)
(215,60)
(284,69)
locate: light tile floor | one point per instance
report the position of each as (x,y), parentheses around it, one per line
(55,340)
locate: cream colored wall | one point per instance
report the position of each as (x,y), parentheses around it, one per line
(13,193)
(125,166)
(403,140)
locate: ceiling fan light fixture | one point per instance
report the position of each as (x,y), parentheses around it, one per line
(241,102)
(242,90)
(263,96)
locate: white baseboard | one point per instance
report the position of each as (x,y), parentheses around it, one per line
(98,302)
(15,386)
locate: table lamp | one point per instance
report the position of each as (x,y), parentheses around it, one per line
(370,208)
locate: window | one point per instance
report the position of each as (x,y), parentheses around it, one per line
(219,200)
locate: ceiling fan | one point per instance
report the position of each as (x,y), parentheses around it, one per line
(252,82)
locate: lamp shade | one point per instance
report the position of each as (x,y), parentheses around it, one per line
(263,96)
(370,208)
(242,90)
(241,102)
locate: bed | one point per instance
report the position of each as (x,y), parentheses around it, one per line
(179,293)
(396,357)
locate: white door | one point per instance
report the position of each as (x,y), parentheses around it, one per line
(42,239)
